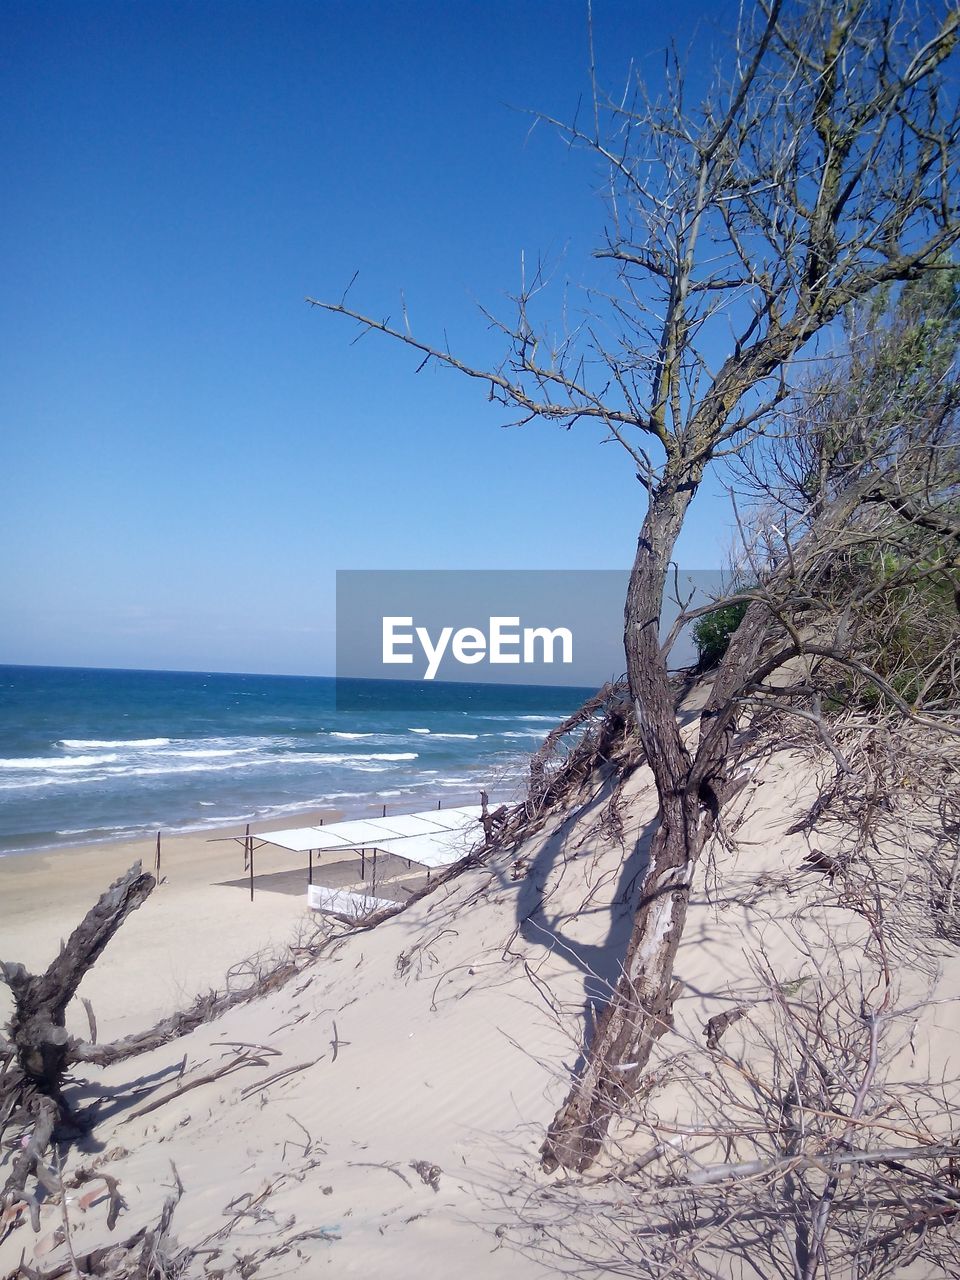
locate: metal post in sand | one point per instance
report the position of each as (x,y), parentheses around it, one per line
(249,844)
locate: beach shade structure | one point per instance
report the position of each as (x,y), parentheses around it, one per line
(435,838)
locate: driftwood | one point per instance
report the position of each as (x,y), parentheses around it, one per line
(149,1254)
(37,1029)
(203,1010)
(39,1049)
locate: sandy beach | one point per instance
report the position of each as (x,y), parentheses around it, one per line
(193,929)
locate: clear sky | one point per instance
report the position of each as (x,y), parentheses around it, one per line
(188,450)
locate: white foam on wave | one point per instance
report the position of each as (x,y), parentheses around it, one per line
(349,759)
(554,719)
(57,762)
(340,734)
(472,736)
(418,731)
(377,755)
(523,733)
(81,770)
(84,744)
(58,780)
(114,831)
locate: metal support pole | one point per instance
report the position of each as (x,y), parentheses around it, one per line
(310,872)
(158,859)
(363,864)
(373,879)
(249,843)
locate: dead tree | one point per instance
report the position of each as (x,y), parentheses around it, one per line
(40,1047)
(821,165)
(37,1029)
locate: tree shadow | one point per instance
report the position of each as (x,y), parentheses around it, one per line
(601,963)
(91,1102)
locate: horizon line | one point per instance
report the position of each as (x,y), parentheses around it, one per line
(289,675)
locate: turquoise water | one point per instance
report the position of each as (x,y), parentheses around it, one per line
(92,754)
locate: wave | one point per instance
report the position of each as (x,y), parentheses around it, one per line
(57,762)
(118,831)
(74,780)
(340,734)
(83,744)
(555,719)
(349,758)
(88,769)
(523,733)
(433,734)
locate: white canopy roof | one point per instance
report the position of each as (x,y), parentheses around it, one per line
(300,839)
(434,838)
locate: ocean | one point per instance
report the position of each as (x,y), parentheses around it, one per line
(90,754)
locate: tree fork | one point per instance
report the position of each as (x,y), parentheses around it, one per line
(37,1028)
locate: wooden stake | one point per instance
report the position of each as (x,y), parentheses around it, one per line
(157,877)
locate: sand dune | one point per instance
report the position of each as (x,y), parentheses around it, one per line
(390,1100)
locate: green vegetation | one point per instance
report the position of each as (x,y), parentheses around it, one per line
(712,633)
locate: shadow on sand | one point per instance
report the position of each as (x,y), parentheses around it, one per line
(601,963)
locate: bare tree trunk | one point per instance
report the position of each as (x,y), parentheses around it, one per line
(691,789)
(639,1009)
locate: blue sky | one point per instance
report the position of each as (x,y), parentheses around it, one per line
(189,451)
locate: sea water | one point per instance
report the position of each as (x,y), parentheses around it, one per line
(90,754)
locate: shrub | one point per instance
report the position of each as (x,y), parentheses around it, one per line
(712,632)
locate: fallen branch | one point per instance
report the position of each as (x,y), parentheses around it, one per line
(245,1060)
